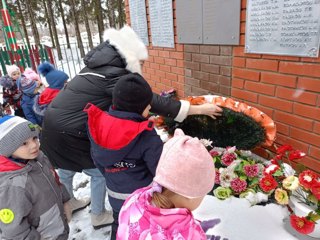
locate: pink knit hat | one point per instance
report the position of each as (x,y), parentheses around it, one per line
(185,166)
(11,69)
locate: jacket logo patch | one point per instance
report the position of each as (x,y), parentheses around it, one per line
(6,215)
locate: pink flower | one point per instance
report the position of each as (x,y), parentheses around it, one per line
(238,185)
(228,158)
(251,170)
(217,177)
(214,153)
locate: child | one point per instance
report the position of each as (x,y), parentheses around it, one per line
(124,145)
(11,94)
(32,200)
(185,174)
(56,80)
(29,83)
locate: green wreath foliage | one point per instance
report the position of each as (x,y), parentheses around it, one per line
(230,129)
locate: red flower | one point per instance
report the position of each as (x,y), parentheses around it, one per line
(315,190)
(284,148)
(296,154)
(217,177)
(307,178)
(268,183)
(302,224)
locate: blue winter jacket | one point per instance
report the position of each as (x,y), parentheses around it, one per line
(125,147)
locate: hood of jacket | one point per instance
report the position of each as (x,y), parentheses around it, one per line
(122,48)
(114,134)
(6,165)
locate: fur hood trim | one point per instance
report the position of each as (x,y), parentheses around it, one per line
(129,46)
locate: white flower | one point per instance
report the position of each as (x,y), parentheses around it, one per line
(255,198)
(226,176)
(206,142)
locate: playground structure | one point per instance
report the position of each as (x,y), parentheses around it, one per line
(21,55)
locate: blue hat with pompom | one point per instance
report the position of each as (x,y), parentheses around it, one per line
(55,78)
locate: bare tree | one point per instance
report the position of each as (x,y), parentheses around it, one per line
(49,22)
(23,24)
(33,22)
(86,22)
(98,13)
(76,25)
(64,22)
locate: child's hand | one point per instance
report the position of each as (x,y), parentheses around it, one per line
(67,211)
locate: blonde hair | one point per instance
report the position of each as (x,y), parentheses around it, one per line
(163,199)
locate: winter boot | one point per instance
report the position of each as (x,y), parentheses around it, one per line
(102,220)
(78,204)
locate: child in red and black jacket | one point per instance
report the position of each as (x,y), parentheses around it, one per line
(124,145)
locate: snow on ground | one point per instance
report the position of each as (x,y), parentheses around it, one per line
(80,225)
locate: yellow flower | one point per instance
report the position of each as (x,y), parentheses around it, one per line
(281,196)
(291,183)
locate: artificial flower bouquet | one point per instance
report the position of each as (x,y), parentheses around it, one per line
(242,174)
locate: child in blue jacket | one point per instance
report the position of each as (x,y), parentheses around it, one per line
(124,145)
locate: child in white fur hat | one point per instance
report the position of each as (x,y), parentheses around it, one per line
(33,202)
(11,94)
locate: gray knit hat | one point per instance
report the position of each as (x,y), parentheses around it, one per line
(14,131)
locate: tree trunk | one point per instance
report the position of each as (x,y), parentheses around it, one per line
(121,13)
(54,29)
(98,13)
(49,23)
(76,25)
(86,22)
(35,32)
(111,14)
(26,35)
(64,23)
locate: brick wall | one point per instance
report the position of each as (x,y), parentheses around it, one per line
(286,88)
(164,69)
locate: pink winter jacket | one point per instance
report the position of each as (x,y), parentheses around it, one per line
(140,220)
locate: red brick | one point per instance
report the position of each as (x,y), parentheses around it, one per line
(153,52)
(177,70)
(177,86)
(262,64)
(243,15)
(226,81)
(278,79)
(293,120)
(246,74)
(171,62)
(192,81)
(164,54)
(309,59)
(166,82)
(179,47)
(200,58)
(181,79)
(239,62)
(316,127)
(165,68)
(198,91)
(192,65)
(192,48)
(311,163)
(180,63)
(225,71)
(242,27)
(224,91)
(282,139)
(305,136)
(207,49)
(201,75)
(238,51)
(297,95)
(176,55)
(160,73)
(187,56)
(237,83)
(209,86)
(243,4)
(159,60)
(282,128)
(225,50)
(260,88)
(283,58)
(154,65)
(172,76)
(150,71)
(245,95)
(220,60)
(209,68)
(276,103)
(188,72)
(307,111)
(311,84)
(314,152)
(306,69)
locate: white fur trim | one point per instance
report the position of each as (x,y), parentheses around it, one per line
(129,45)
(183,112)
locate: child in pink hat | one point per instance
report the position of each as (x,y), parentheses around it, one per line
(185,174)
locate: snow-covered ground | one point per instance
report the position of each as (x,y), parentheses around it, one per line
(80,225)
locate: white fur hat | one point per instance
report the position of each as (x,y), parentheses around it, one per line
(129,45)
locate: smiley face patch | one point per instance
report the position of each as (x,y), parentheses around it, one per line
(6,215)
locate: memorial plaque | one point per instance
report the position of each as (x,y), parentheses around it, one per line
(161,22)
(283,27)
(138,19)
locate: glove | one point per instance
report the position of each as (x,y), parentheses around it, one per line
(67,211)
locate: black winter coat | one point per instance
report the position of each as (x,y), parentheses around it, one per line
(64,136)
